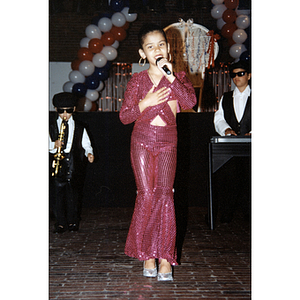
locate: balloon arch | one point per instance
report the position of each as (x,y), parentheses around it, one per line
(234,25)
(98,50)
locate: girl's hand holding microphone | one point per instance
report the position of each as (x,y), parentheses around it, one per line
(166,68)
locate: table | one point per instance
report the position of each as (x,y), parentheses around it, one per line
(221,150)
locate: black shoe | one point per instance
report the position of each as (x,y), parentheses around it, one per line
(73,227)
(59,229)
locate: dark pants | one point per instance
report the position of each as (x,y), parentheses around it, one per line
(65,192)
(66,203)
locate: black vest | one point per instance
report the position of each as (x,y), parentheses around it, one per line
(242,127)
(74,161)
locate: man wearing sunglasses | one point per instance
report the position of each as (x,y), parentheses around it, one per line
(234,114)
(75,145)
(233,118)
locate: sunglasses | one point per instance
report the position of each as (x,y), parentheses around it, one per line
(239,74)
(68,110)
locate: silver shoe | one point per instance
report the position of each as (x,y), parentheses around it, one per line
(165,276)
(149,272)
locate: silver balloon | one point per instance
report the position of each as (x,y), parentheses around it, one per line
(68,87)
(130,17)
(87,105)
(109,52)
(239,36)
(99,60)
(105,24)
(86,67)
(76,77)
(242,21)
(84,43)
(100,87)
(220,23)
(116,44)
(236,50)
(217,11)
(93,95)
(93,32)
(118,19)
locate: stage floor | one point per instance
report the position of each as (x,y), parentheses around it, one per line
(91,264)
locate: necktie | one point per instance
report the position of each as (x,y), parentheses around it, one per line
(65,140)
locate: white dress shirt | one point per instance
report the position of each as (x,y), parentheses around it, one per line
(239,104)
(86,143)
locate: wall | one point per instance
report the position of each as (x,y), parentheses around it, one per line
(58,75)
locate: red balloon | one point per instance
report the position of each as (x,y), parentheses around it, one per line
(75,64)
(119,33)
(95,45)
(108,38)
(231,42)
(228,29)
(94,106)
(85,54)
(126,26)
(231,4)
(229,16)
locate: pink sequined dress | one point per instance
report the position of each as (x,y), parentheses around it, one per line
(152,233)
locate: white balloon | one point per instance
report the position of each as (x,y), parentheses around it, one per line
(239,36)
(105,24)
(75,76)
(86,67)
(220,23)
(216,2)
(116,44)
(68,86)
(236,50)
(130,17)
(99,60)
(84,43)
(109,52)
(242,21)
(87,105)
(93,95)
(100,87)
(93,32)
(118,19)
(242,12)
(217,11)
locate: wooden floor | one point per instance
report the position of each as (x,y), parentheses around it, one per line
(91,264)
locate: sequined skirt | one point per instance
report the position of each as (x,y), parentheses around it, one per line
(152,232)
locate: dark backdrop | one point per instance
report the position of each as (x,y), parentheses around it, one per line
(109,181)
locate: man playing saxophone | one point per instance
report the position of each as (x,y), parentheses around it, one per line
(69,143)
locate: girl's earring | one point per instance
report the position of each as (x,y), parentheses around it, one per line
(140,62)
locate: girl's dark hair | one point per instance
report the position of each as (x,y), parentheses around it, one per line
(147,28)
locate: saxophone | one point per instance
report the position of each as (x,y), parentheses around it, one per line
(59,155)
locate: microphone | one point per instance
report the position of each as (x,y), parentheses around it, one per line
(165,68)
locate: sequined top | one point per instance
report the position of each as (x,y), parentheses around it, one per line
(139,85)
